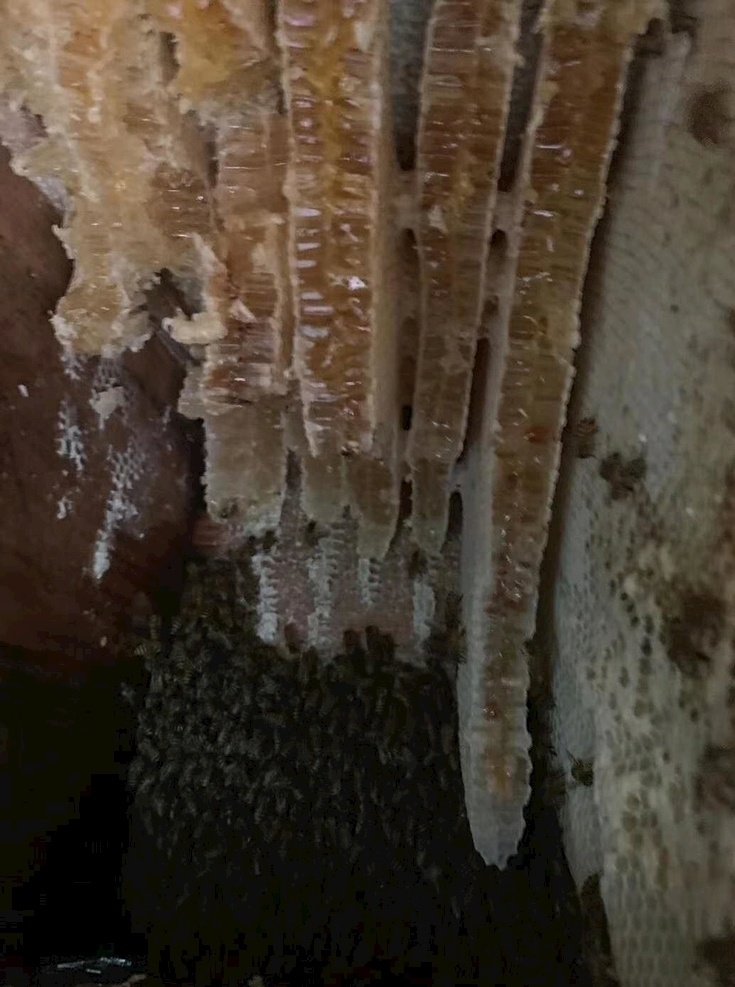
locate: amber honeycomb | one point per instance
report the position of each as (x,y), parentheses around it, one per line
(252,160)
(467,77)
(335,57)
(254,356)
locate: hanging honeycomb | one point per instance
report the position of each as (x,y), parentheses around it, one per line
(222,50)
(81,69)
(253,357)
(381,354)
(335,70)
(224,71)
(466,84)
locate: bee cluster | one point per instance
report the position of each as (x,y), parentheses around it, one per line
(303,814)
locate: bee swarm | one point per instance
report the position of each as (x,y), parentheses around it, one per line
(307,814)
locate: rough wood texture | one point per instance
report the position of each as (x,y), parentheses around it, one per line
(94,474)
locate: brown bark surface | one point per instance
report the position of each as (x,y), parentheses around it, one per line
(94,468)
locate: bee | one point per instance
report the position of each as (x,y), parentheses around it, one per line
(623,477)
(693,631)
(709,116)
(716,779)
(147,749)
(312,535)
(227,510)
(135,772)
(582,772)
(584,435)
(168,770)
(159,804)
(718,953)
(145,784)
(149,651)
(456,638)
(417,564)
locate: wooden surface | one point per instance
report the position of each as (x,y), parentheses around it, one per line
(65,500)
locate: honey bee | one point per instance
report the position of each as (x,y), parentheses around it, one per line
(312,535)
(228,510)
(716,780)
(623,477)
(556,785)
(584,434)
(455,631)
(582,771)
(709,117)
(148,651)
(718,953)
(417,564)
(129,695)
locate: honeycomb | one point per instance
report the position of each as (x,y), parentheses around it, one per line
(381,358)
(537,280)
(221,49)
(335,64)
(642,609)
(246,463)
(254,356)
(224,69)
(374,486)
(466,83)
(79,68)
